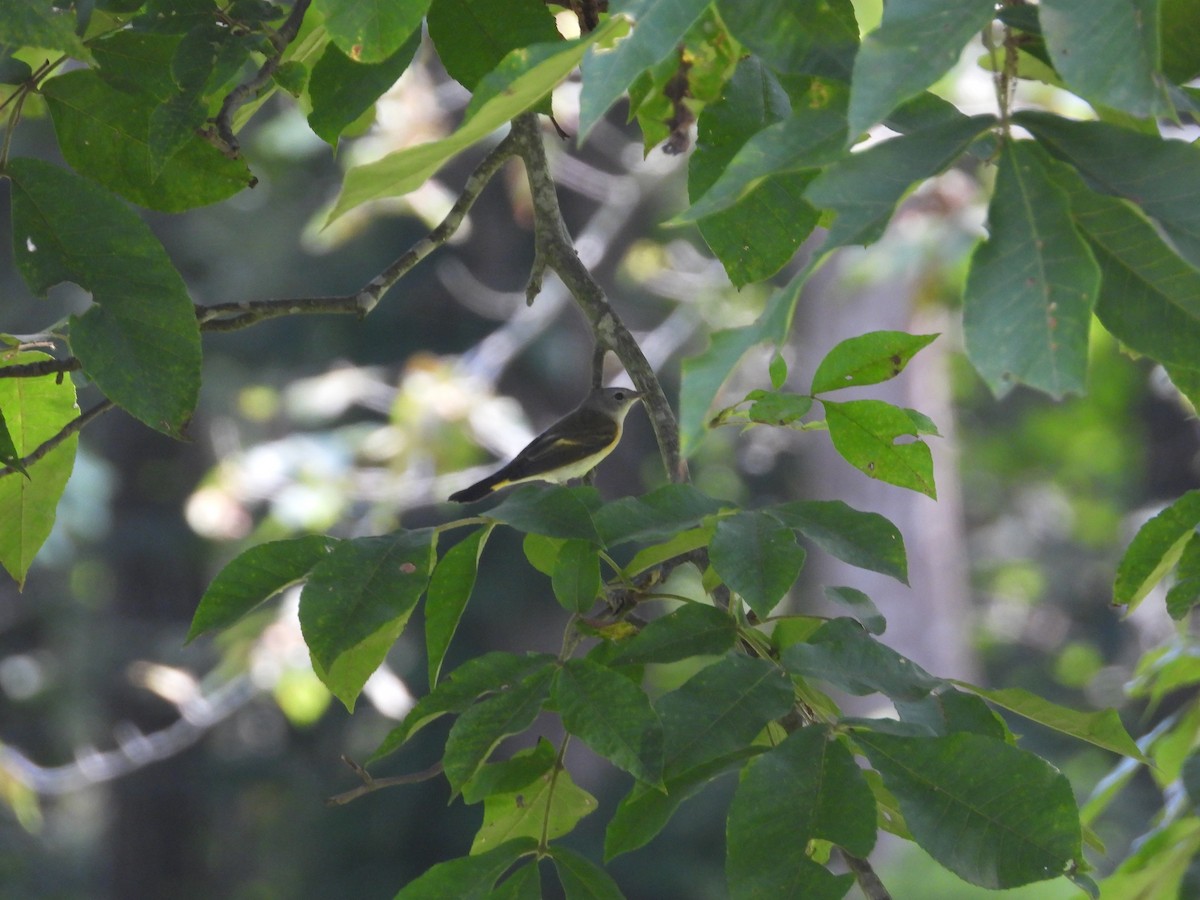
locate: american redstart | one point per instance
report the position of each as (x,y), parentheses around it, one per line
(570,448)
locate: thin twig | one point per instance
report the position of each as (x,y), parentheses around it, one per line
(868,881)
(244,92)
(556,251)
(233,316)
(44,367)
(67,430)
(221,317)
(371,784)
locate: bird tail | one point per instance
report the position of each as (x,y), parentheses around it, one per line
(477,491)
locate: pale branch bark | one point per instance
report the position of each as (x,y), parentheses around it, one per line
(370,783)
(233,316)
(224,137)
(134,750)
(555,250)
(222,317)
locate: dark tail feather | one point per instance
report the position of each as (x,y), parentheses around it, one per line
(477,491)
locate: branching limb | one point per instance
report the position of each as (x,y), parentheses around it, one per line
(371,783)
(234,316)
(224,138)
(556,251)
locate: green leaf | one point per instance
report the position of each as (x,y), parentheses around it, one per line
(607,74)
(486,674)
(30,23)
(993,814)
(1179,34)
(863,539)
(645,810)
(694,629)
(357,602)
(1160,176)
(554,511)
(756,235)
(1149,297)
(576,576)
(138,62)
(655,516)
(34,410)
(473,36)
(868,359)
(866,612)
(1107,51)
(800,38)
(684,542)
(946,711)
(778,370)
(10,457)
(612,715)
(666,99)
(524,884)
(105,135)
(139,342)
(254,577)
(371,30)
(581,878)
(449,590)
(864,188)
(775,408)
(520,769)
(1158,865)
(1155,549)
(469,877)
(757,557)
(865,434)
(516,85)
(542,552)
(916,44)
(720,710)
(704,374)
(807,788)
(1102,728)
(342,90)
(1031,287)
(841,653)
(1185,592)
(482,726)
(528,796)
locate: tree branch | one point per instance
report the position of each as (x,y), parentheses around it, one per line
(67,430)
(233,316)
(370,783)
(555,250)
(44,367)
(224,138)
(222,317)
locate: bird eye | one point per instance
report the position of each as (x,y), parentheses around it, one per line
(619,395)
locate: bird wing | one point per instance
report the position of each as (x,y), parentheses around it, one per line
(577,436)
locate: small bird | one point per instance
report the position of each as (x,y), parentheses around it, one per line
(570,448)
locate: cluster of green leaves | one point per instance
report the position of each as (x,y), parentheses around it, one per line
(801,793)
(1086,217)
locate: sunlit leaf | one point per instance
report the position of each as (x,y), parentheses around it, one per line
(255,576)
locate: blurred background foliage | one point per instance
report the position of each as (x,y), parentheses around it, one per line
(328,424)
